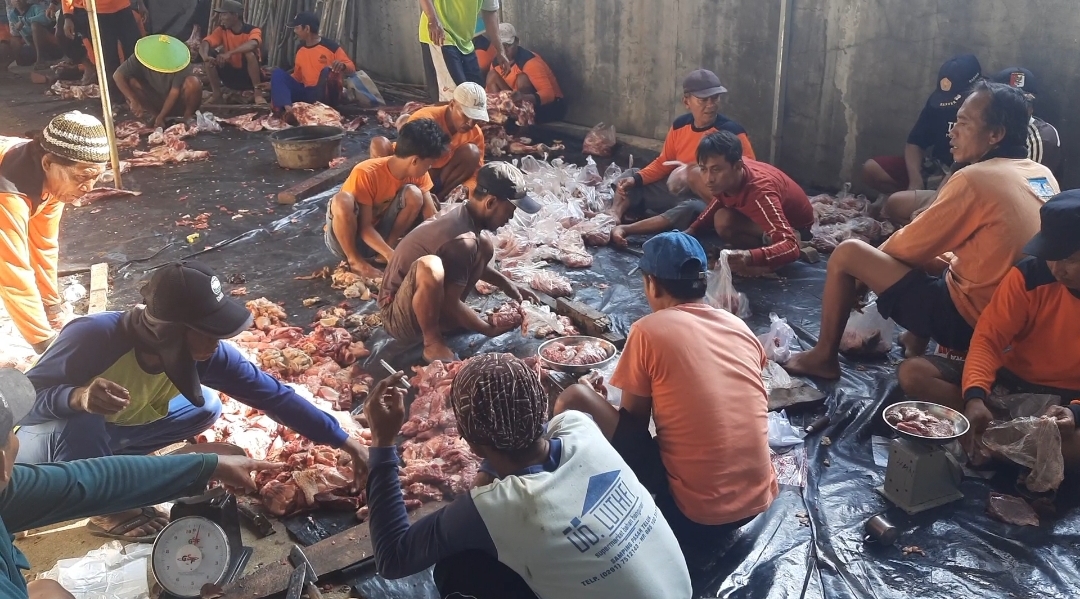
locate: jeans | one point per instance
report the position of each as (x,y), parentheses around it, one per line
(284,90)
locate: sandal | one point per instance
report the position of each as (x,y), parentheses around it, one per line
(118,532)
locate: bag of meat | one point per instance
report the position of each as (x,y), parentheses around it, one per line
(540,322)
(677,181)
(509,314)
(1034,443)
(552,284)
(720,292)
(868,333)
(600,141)
(597,230)
(778,340)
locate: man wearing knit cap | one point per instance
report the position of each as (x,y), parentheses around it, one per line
(555,506)
(158,81)
(131,383)
(40,496)
(37,178)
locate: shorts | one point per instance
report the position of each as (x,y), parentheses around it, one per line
(641,452)
(922,304)
(552,111)
(656,198)
(896,168)
(384,226)
(233,77)
(684,214)
(398,316)
(952,371)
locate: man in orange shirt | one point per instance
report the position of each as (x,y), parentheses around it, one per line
(527,75)
(1028,337)
(696,371)
(117,24)
(459,119)
(385,198)
(37,178)
(231,53)
(318,71)
(983,216)
(647,190)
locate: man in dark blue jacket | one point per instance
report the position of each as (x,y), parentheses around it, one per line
(130,383)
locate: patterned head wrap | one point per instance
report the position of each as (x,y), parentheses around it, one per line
(498,402)
(76,136)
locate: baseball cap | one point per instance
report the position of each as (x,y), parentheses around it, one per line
(703,83)
(1058,238)
(473,101)
(16,398)
(675,256)
(304,18)
(507,33)
(955,78)
(498,402)
(190,293)
(1018,77)
(504,180)
(232,6)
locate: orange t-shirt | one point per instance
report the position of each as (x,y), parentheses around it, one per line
(372,183)
(104,7)
(311,60)
(702,368)
(681,144)
(539,73)
(231,40)
(485,52)
(441,115)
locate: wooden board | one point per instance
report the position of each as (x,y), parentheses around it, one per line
(588,320)
(99,288)
(329,555)
(317,184)
(803,396)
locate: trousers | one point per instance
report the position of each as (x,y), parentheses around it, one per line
(284,90)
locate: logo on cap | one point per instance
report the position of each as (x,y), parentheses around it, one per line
(215,286)
(946,84)
(1017,80)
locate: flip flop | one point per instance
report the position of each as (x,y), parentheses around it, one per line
(146,515)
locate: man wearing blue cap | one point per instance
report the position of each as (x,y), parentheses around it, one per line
(1028,337)
(696,370)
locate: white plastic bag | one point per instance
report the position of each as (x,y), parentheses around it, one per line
(868,333)
(206,121)
(111,572)
(781,433)
(540,321)
(720,292)
(777,342)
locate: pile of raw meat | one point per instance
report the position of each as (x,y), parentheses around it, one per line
(438,463)
(579,354)
(68,90)
(254,123)
(167,146)
(919,422)
(843,217)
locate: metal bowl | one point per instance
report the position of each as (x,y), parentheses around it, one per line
(959,422)
(571,341)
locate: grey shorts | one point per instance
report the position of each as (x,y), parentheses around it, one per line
(398,316)
(952,371)
(384,226)
(653,199)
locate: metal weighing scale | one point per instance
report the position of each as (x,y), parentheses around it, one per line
(200,546)
(921,473)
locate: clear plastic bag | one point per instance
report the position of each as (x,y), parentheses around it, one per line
(721,293)
(600,141)
(206,121)
(868,333)
(677,181)
(781,433)
(110,572)
(540,321)
(1031,442)
(590,174)
(1021,405)
(777,342)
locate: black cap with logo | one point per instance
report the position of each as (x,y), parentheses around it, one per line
(190,293)
(305,18)
(16,399)
(1018,77)
(1059,237)
(955,79)
(505,181)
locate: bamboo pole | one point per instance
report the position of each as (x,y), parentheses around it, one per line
(103,85)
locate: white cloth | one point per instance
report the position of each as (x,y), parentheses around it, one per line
(587,530)
(442,74)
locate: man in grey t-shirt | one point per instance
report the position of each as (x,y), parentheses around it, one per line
(157,80)
(435,266)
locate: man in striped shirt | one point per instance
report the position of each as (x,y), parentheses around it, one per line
(1043,142)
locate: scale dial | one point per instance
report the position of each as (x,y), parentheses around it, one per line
(190,552)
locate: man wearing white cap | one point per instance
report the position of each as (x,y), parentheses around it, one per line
(460,120)
(527,75)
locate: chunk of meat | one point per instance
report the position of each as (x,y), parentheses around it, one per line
(915,421)
(581,354)
(509,314)
(1011,510)
(315,114)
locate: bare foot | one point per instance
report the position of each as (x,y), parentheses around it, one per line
(914,346)
(259,99)
(618,236)
(438,351)
(215,99)
(809,363)
(116,523)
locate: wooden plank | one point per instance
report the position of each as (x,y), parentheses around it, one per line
(318,183)
(99,287)
(589,320)
(327,556)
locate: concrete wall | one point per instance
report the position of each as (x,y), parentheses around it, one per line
(858,70)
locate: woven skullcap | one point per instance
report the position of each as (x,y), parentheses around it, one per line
(76,136)
(498,402)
